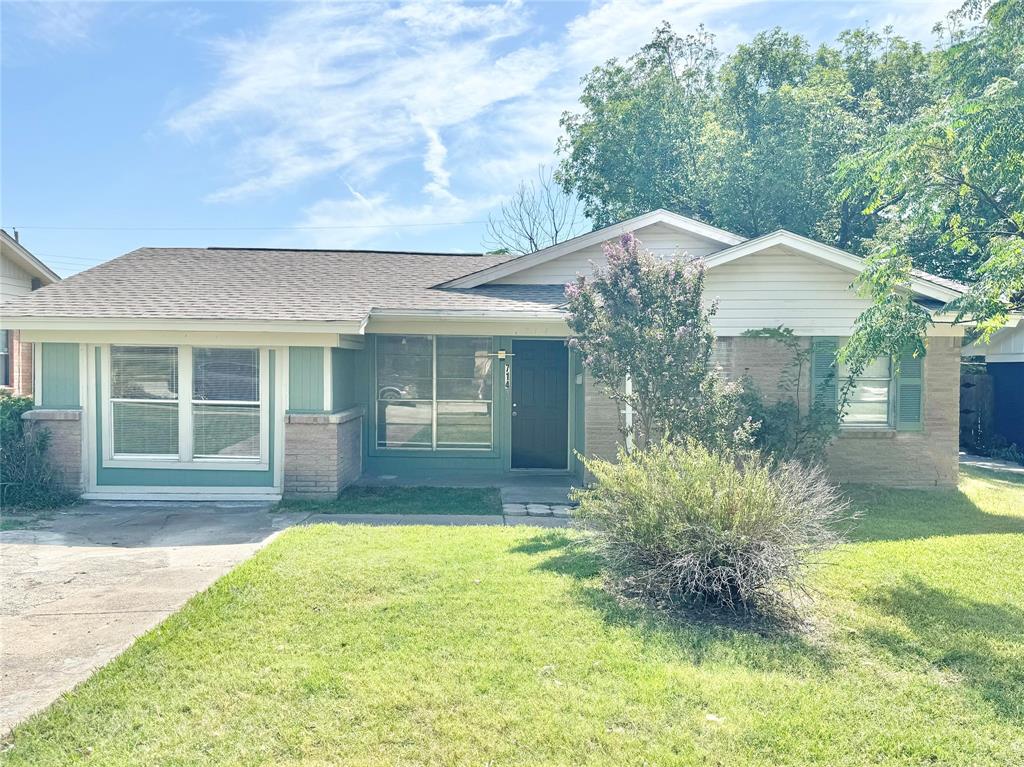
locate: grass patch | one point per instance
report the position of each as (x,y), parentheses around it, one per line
(404,500)
(418,645)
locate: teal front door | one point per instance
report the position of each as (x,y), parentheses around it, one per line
(540,405)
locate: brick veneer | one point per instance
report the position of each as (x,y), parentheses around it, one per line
(322,453)
(65,450)
(926,458)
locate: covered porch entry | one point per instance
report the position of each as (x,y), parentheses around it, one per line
(472,411)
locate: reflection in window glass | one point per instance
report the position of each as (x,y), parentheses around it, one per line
(434,393)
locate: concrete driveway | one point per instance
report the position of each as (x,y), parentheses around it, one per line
(78,589)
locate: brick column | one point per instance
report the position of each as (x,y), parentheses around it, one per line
(322,453)
(65,450)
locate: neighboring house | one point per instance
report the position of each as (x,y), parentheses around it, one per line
(20,273)
(1004,362)
(242,373)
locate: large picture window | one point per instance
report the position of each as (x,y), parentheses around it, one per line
(434,393)
(186,404)
(870,397)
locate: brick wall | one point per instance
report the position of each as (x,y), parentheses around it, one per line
(322,453)
(928,458)
(65,451)
(601,421)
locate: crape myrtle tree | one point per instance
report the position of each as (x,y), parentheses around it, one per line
(645,335)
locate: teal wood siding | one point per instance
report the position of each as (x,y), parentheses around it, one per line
(305,379)
(59,372)
(344,377)
(121,477)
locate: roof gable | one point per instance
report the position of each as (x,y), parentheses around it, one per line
(920,282)
(20,255)
(596,237)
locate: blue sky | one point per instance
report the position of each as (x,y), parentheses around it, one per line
(316,125)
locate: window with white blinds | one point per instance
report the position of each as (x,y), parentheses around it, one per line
(144,400)
(186,403)
(225,403)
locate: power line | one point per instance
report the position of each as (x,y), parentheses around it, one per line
(238,228)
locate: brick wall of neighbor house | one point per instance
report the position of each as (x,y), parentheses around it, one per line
(322,453)
(926,458)
(65,449)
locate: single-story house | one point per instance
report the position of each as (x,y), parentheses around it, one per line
(252,373)
(20,274)
(1004,361)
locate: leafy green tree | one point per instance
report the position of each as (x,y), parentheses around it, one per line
(951,177)
(635,146)
(752,145)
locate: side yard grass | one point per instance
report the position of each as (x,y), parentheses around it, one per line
(363,645)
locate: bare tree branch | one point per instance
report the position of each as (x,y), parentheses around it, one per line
(537,215)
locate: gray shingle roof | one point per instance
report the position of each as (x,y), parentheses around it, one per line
(275,285)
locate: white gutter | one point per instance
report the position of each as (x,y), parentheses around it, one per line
(170,323)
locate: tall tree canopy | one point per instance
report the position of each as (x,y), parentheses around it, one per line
(951,180)
(749,143)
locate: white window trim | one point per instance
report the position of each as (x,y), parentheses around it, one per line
(433,401)
(185,459)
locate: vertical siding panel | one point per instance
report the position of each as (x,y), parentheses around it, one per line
(305,379)
(60,376)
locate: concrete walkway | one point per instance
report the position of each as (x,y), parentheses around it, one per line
(81,587)
(992,464)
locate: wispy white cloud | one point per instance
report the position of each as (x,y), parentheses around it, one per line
(59,23)
(431,110)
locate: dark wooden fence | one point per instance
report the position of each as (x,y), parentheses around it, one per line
(977,407)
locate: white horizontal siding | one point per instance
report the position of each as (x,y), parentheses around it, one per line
(14,281)
(662,240)
(1006,345)
(779,287)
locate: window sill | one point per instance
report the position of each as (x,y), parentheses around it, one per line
(867,432)
(201,464)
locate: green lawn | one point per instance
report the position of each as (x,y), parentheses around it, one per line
(404,500)
(496,646)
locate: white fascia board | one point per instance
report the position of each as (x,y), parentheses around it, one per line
(468,314)
(170,324)
(594,238)
(827,253)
